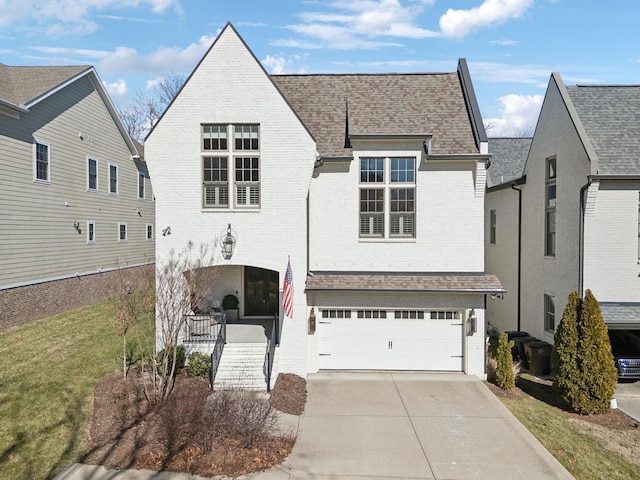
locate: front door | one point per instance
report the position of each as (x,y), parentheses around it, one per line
(260,292)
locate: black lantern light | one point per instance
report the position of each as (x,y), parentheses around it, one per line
(228,243)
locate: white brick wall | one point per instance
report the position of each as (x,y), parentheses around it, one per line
(229,86)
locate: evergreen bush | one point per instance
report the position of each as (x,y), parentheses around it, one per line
(181,357)
(199,365)
(583,369)
(505,377)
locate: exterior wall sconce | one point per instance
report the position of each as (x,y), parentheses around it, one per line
(473,322)
(76,225)
(312,322)
(228,243)
(166,231)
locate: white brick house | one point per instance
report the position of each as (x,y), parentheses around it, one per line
(580,205)
(372,185)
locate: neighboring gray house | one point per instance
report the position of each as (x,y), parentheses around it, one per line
(75,194)
(580,226)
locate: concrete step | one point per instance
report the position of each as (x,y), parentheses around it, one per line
(242,367)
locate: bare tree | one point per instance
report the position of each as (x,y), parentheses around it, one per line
(134,301)
(183,281)
(523,131)
(142,113)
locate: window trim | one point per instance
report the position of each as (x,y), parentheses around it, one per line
(550,207)
(89,188)
(46,181)
(549,316)
(117,191)
(149,237)
(493,217)
(141,186)
(126,232)
(91,231)
(371,179)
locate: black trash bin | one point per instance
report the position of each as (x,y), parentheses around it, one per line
(512,335)
(538,357)
(520,342)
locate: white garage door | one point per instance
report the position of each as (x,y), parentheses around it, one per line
(390,340)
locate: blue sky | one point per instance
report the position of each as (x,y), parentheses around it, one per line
(511,46)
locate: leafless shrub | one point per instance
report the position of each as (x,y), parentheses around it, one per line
(492,365)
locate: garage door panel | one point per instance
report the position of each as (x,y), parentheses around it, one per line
(390,344)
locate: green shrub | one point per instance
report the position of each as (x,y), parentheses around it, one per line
(181,357)
(199,365)
(584,373)
(505,377)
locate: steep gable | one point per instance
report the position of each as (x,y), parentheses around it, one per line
(609,114)
(508,157)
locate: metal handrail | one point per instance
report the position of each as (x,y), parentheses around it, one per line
(218,348)
(203,328)
(271,350)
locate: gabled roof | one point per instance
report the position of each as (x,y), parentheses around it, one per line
(611,119)
(508,157)
(381,104)
(23,87)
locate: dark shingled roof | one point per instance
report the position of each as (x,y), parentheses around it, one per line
(21,85)
(460,283)
(382,104)
(508,157)
(611,117)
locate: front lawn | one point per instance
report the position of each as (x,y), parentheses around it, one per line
(46,386)
(589,447)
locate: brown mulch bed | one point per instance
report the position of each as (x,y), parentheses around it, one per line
(541,390)
(127,432)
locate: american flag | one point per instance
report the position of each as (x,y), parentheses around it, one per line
(287,292)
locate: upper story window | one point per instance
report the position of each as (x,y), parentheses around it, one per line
(91,231)
(550,208)
(92,174)
(387,197)
(113,178)
(42,164)
(231,180)
(214,137)
(141,185)
(122,232)
(492,227)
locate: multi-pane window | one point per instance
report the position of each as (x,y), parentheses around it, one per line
(92,174)
(214,137)
(91,231)
(231,180)
(247,182)
(335,313)
(550,208)
(372,314)
(140,185)
(42,162)
(149,231)
(419,314)
(113,178)
(387,197)
(246,137)
(492,227)
(445,315)
(122,232)
(549,313)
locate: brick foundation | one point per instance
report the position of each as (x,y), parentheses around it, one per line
(22,304)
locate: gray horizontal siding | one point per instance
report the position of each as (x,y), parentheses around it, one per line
(37,238)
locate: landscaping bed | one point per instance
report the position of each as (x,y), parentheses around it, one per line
(190,432)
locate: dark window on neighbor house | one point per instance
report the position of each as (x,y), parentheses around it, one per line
(42,163)
(91,231)
(122,232)
(113,178)
(550,208)
(149,231)
(140,185)
(92,174)
(492,227)
(549,313)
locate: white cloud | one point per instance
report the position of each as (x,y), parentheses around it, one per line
(355,23)
(519,113)
(504,43)
(70,17)
(164,59)
(116,89)
(280,64)
(505,73)
(459,23)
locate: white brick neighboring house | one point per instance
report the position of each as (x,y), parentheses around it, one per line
(372,185)
(580,226)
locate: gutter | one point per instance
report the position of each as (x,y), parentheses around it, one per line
(581,233)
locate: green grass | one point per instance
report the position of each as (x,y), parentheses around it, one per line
(586,451)
(46,386)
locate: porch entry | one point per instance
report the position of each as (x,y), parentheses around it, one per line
(260,292)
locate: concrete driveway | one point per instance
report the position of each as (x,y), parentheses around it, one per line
(628,398)
(410,425)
